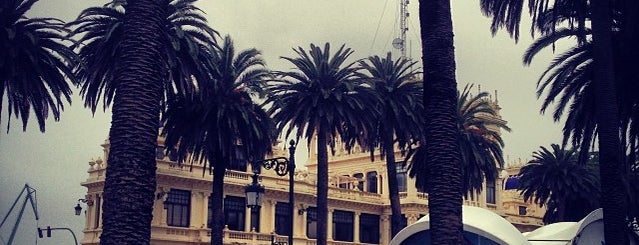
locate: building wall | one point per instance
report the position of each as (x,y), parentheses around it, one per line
(344,195)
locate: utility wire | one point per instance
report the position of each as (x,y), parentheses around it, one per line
(378,25)
(394,32)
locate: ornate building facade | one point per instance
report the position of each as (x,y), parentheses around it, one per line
(359,207)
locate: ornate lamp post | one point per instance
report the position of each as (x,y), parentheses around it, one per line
(281,166)
(77,207)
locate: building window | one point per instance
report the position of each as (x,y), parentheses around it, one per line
(522,210)
(98,211)
(369,228)
(234,211)
(371,182)
(490,191)
(178,208)
(282,218)
(311,222)
(255,219)
(343,226)
(402,181)
(159,153)
(239,162)
(173,155)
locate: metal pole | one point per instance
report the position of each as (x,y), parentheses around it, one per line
(291,188)
(75,239)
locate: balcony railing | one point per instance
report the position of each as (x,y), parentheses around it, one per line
(180,235)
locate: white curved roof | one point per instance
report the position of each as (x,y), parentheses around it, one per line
(476,220)
(588,230)
(561,232)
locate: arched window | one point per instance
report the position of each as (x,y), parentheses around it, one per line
(371,182)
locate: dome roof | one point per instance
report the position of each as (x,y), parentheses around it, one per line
(476,220)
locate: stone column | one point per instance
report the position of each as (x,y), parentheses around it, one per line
(385,228)
(272,215)
(247,219)
(264,221)
(303,221)
(158,206)
(356,227)
(195,217)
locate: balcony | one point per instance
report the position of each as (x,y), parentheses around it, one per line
(179,235)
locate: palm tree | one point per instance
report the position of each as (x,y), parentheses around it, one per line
(439,172)
(35,63)
(186,41)
(479,128)
(556,179)
(400,116)
(130,184)
(508,14)
(323,97)
(480,139)
(222,122)
(614,201)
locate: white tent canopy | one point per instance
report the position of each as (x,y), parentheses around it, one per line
(476,220)
(588,230)
(493,229)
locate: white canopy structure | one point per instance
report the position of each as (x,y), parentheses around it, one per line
(481,226)
(587,231)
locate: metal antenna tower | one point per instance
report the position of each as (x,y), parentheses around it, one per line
(400,42)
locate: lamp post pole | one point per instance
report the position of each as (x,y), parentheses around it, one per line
(291,188)
(282,167)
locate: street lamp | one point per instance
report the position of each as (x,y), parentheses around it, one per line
(254,192)
(77,207)
(281,166)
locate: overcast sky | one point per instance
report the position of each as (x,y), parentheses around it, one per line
(56,162)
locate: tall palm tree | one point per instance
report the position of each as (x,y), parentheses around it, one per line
(130,184)
(556,179)
(400,116)
(322,97)
(129,56)
(508,14)
(35,64)
(441,168)
(186,42)
(222,122)
(480,139)
(614,201)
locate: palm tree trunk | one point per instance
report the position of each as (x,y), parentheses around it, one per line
(610,167)
(561,211)
(322,186)
(440,102)
(130,184)
(393,188)
(217,199)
